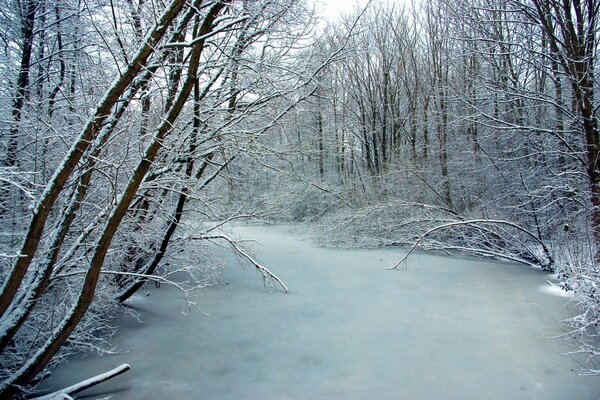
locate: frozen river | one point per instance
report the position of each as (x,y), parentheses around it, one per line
(445,328)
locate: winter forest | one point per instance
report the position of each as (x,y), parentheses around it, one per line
(131,130)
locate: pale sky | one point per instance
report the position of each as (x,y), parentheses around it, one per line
(333,8)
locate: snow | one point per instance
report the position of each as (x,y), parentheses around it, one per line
(555,290)
(445,328)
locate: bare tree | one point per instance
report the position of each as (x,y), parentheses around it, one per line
(142,146)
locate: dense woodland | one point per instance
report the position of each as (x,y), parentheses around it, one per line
(131,129)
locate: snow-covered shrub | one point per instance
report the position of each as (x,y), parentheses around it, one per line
(308,203)
(401,223)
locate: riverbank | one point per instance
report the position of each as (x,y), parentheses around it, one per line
(349,329)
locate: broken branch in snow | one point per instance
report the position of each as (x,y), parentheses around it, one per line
(66,393)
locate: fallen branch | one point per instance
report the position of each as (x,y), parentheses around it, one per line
(475,222)
(269,278)
(68,392)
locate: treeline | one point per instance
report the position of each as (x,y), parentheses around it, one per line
(491,104)
(468,125)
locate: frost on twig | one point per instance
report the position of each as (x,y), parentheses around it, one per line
(582,329)
(270,280)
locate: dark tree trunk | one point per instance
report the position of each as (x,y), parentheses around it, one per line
(28,10)
(65,171)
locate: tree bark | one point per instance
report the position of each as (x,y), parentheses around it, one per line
(45,354)
(29,10)
(79,148)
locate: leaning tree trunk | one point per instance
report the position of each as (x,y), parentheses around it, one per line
(39,360)
(89,133)
(189,169)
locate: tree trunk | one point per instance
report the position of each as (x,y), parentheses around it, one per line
(28,11)
(46,352)
(79,148)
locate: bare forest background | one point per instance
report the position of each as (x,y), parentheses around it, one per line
(131,129)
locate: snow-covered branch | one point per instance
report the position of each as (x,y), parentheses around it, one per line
(545,264)
(68,392)
(270,280)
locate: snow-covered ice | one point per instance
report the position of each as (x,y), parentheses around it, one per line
(555,290)
(445,328)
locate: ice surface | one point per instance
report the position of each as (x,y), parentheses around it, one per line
(446,328)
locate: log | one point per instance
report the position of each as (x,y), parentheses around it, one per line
(67,392)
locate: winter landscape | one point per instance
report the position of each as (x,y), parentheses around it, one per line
(235,199)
